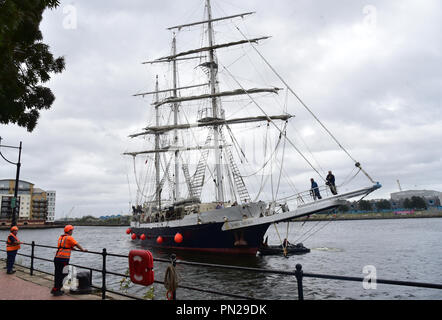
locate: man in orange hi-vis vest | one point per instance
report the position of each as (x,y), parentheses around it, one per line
(65,245)
(12,246)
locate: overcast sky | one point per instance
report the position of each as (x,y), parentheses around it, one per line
(371,71)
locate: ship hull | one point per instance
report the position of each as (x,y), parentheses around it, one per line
(237,230)
(205,238)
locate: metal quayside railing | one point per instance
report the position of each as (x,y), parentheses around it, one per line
(298,273)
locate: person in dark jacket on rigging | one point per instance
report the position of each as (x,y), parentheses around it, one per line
(331,182)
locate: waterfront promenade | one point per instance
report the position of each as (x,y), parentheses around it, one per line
(22,286)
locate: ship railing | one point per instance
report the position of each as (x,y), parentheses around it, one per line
(298,273)
(307,196)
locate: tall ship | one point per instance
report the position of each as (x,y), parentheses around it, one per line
(214,167)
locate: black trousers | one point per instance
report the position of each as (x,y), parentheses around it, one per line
(10,259)
(59,264)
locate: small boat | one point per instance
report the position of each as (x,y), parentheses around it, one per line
(279,250)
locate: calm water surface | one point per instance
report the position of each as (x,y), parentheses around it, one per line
(399,249)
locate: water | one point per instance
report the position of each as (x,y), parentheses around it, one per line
(399,249)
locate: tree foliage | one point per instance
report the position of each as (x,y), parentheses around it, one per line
(415,203)
(25,62)
(365,205)
(383,204)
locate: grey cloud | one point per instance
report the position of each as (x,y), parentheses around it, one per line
(382,101)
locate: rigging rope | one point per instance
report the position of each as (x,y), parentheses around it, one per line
(283,149)
(357,164)
(351,178)
(322,227)
(136,180)
(287,231)
(272,122)
(299,137)
(201,151)
(283,248)
(236,145)
(282,161)
(128,184)
(265,155)
(266,162)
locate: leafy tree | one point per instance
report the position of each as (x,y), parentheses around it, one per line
(25,62)
(383,204)
(88,219)
(407,204)
(365,205)
(418,203)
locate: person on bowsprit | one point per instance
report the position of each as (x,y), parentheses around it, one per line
(314,191)
(331,183)
(65,245)
(12,246)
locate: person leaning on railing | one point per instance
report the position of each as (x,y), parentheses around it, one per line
(65,245)
(12,246)
(314,191)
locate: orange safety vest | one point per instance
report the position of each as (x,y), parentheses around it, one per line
(12,246)
(63,251)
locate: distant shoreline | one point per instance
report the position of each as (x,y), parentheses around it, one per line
(313,217)
(373,215)
(60,225)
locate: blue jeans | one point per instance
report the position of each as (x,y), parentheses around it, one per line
(10,259)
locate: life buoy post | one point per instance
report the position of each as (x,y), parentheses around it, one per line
(141,267)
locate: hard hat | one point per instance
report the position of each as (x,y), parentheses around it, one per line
(14,228)
(68,228)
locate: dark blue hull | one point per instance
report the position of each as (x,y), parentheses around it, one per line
(206,238)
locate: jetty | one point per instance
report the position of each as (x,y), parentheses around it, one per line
(28,283)
(368,215)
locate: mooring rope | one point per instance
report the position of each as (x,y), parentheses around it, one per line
(170,281)
(282,243)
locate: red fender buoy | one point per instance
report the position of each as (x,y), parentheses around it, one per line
(178,238)
(128,230)
(160,240)
(143,237)
(134,236)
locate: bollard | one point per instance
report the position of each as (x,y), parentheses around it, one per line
(299,275)
(32,258)
(103,284)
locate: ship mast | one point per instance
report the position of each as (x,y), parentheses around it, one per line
(216,120)
(157,146)
(175,122)
(213,82)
